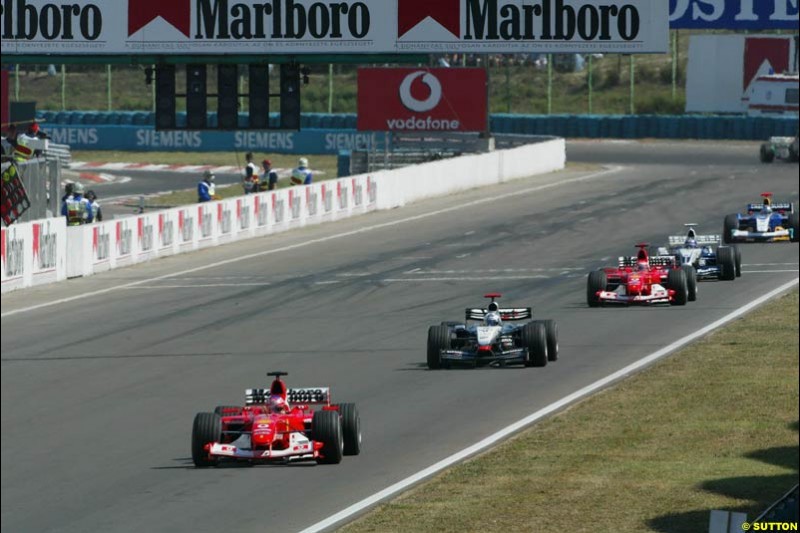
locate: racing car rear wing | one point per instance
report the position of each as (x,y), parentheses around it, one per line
(775,207)
(653,260)
(306,395)
(511,313)
(678,240)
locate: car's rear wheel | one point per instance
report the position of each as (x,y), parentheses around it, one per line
(596,281)
(766,155)
(691,281)
(676,280)
(551,332)
(794,226)
(438,339)
(351,428)
(327,429)
(726,260)
(737,255)
(533,336)
(207,428)
(731,224)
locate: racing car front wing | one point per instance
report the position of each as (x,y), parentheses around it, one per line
(779,235)
(514,355)
(656,296)
(298,452)
(708,272)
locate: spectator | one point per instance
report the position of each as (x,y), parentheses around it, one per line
(97,211)
(270,181)
(76,207)
(250,180)
(69,188)
(205,189)
(302,174)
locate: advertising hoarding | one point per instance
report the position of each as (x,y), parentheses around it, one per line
(408,99)
(733,14)
(131,27)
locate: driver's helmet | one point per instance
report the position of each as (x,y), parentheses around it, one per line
(691,242)
(492,318)
(641,266)
(277,404)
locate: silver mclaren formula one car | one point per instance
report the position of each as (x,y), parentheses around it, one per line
(489,337)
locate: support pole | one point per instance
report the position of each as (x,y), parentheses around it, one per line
(108,86)
(633,85)
(674,64)
(549,83)
(16,82)
(63,87)
(330,88)
(508,87)
(591,82)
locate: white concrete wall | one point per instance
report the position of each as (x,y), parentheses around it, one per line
(46,251)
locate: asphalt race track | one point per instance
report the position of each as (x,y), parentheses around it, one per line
(99,393)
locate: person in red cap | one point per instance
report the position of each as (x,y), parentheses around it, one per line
(30,144)
(270,179)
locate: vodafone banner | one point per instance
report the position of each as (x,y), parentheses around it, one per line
(408,99)
(91,27)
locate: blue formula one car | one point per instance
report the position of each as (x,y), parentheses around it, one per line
(491,340)
(710,259)
(765,222)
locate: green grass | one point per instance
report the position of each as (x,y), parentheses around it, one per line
(512,88)
(712,427)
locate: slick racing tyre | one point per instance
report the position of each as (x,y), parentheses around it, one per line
(731,223)
(351,428)
(676,280)
(726,260)
(327,429)
(207,428)
(691,281)
(438,339)
(737,259)
(794,226)
(533,336)
(766,155)
(596,281)
(551,332)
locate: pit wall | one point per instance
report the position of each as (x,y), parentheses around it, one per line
(47,251)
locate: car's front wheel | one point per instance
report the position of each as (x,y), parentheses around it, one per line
(438,340)
(327,429)
(207,428)
(351,428)
(533,336)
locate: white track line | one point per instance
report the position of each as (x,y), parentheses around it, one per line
(359,231)
(541,413)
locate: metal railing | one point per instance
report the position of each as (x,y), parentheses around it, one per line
(402,149)
(58,152)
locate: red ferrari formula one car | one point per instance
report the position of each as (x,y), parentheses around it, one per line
(643,279)
(278,425)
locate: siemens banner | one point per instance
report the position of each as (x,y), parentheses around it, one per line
(146,138)
(733,14)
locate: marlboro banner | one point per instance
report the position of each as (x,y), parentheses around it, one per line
(92,27)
